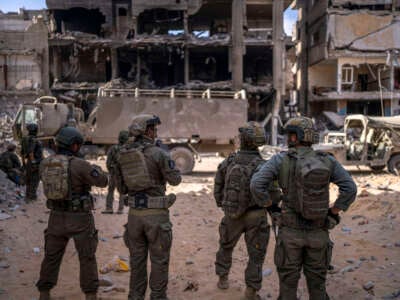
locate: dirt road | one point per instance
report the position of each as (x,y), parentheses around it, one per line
(367,246)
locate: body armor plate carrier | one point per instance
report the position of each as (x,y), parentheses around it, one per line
(55,175)
(309,175)
(237,197)
(134,169)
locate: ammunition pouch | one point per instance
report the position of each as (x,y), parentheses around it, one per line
(296,221)
(142,201)
(83,203)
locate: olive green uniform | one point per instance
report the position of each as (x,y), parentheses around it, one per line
(11,165)
(31,146)
(149,231)
(253,223)
(302,243)
(111,165)
(72,218)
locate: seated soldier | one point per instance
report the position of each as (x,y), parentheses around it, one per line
(11,165)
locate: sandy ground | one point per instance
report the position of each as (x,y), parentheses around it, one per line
(367,242)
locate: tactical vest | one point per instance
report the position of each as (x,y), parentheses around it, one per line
(304,180)
(134,169)
(237,197)
(55,175)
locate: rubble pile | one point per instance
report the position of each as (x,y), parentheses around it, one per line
(120,83)
(11,197)
(6,134)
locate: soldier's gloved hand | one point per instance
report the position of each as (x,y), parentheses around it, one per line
(276,214)
(336,217)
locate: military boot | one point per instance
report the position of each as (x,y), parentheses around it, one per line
(223,282)
(44,295)
(250,294)
(91,296)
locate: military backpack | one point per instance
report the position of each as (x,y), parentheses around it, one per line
(134,169)
(309,175)
(237,197)
(55,175)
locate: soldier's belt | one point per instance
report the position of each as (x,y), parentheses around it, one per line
(82,204)
(298,222)
(142,201)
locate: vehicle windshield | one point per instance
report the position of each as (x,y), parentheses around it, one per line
(30,116)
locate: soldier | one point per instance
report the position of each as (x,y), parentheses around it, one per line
(242,213)
(67,180)
(11,165)
(142,173)
(32,155)
(111,165)
(304,176)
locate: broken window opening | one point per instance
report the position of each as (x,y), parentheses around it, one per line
(212,19)
(367,108)
(201,33)
(258,66)
(122,12)
(209,65)
(397,78)
(84,65)
(127,60)
(79,19)
(160,69)
(160,22)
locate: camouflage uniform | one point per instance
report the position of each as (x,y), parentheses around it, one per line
(11,165)
(253,223)
(32,153)
(111,165)
(72,218)
(302,243)
(149,231)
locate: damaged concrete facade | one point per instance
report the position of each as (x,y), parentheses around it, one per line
(348,56)
(182,44)
(24,52)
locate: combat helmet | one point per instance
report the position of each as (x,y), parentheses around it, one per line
(68,136)
(251,135)
(32,128)
(140,122)
(11,147)
(123,136)
(304,128)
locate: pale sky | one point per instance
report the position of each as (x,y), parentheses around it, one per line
(14,5)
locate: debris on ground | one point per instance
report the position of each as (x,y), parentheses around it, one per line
(116,264)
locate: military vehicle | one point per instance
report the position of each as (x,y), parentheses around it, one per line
(193,122)
(366,141)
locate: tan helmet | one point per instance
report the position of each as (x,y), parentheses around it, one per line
(11,147)
(304,128)
(140,122)
(252,135)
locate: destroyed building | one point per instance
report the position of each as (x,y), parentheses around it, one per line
(23,52)
(348,56)
(181,44)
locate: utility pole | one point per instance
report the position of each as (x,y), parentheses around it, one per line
(278,74)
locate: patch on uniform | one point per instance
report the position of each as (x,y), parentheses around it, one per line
(171,164)
(94,173)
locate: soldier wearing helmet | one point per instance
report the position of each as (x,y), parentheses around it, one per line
(32,155)
(11,165)
(304,176)
(111,164)
(67,180)
(142,172)
(243,213)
